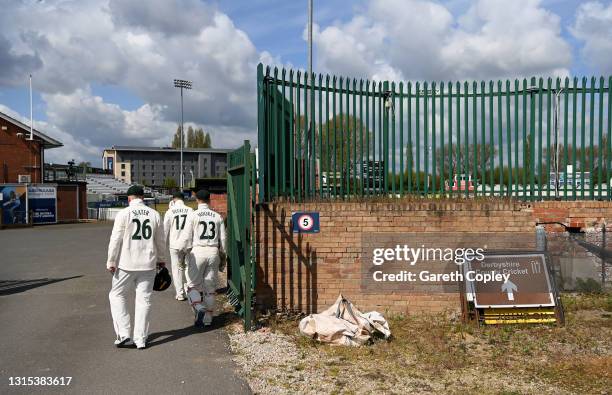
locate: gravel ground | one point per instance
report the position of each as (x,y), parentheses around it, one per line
(273,363)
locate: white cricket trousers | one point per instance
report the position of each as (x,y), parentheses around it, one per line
(178,259)
(201,275)
(123,282)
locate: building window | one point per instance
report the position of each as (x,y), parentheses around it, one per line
(123,166)
(144,174)
(122,174)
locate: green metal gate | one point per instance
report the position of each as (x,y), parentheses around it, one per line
(241,249)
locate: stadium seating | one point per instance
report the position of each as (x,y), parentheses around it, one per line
(106,184)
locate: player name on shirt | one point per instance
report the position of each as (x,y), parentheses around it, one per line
(140,212)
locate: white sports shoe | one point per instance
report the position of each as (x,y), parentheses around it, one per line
(180,298)
(141,346)
(122,342)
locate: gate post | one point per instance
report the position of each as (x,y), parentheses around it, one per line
(241,191)
(386,107)
(248,269)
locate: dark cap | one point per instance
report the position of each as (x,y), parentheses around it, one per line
(135,190)
(203,195)
(177,195)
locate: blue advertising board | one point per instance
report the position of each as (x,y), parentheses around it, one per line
(14,204)
(42,202)
(305,222)
(104,204)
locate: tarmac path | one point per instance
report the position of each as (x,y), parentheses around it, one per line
(55,321)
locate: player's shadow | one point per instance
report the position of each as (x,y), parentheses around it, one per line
(288,265)
(9,287)
(159,338)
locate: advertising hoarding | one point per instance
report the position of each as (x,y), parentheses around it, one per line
(42,202)
(14,204)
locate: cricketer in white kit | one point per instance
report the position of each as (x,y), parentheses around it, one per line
(208,240)
(136,248)
(178,236)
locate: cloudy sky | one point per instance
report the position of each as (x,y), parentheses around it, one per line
(103,69)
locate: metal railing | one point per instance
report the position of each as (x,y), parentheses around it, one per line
(330,137)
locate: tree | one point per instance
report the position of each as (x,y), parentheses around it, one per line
(484,155)
(190,138)
(169,183)
(344,135)
(207,141)
(176,140)
(201,140)
(85,166)
(198,138)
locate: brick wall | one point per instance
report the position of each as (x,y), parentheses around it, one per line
(18,155)
(306,272)
(579,214)
(218,202)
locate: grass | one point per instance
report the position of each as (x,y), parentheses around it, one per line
(163,207)
(575,358)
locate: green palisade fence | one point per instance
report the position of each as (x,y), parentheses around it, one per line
(333,137)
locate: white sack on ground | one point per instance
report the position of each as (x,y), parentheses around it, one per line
(343,324)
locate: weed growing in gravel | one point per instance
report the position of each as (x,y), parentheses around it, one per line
(432,351)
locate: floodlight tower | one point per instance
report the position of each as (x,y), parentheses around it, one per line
(182,84)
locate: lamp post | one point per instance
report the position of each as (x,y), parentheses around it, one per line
(182,84)
(31,113)
(310,98)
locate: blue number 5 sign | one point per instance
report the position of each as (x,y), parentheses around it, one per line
(305,222)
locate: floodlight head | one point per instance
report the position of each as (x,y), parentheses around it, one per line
(182,84)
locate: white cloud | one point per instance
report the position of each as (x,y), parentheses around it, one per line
(418,39)
(140,47)
(593,25)
(73,147)
(101,124)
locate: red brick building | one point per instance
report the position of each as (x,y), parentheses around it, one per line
(18,154)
